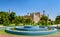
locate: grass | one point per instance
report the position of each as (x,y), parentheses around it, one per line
(57,33)
(2,31)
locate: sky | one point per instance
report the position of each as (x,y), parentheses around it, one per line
(22,7)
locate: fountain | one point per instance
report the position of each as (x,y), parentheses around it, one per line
(31,30)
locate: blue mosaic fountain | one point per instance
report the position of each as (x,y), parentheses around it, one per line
(31,30)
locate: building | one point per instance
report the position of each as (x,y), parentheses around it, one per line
(34,16)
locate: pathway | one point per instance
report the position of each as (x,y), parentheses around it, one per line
(6,35)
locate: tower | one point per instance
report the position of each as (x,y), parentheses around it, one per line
(43,12)
(28,14)
(9,10)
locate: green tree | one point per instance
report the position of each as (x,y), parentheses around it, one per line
(12,17)
(19,20)
(4,18)
(57,19)
(5,21)
(16,21)
(43,20)
(28,21)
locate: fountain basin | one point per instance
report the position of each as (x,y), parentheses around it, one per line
(20,32)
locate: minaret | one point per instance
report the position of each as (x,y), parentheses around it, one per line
(9,10)
(28,14)
(43,12)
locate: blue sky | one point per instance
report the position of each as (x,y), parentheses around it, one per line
(22,7)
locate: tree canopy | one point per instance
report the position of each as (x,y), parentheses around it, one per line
(7,18)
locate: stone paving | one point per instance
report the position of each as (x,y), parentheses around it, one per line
(6,35)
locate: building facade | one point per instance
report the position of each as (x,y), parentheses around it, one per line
(34,16)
